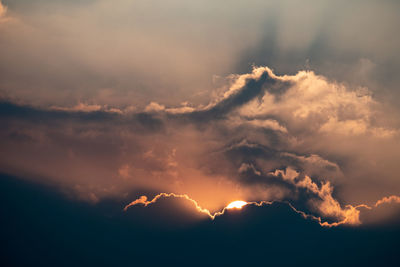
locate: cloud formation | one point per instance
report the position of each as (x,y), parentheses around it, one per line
(293,138)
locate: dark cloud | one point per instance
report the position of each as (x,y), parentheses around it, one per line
(253,87)
(42,228)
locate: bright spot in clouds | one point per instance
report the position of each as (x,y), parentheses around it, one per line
(236,204)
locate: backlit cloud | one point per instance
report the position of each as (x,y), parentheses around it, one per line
(266,138)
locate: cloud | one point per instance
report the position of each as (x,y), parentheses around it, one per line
(153,106)
(268,137)
(388,200)
(84,107)
(326,107)
(140,232)
(326,204)
(143,200)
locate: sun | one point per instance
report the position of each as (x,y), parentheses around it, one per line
(236,204)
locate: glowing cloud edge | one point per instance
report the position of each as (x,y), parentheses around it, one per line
(143,200)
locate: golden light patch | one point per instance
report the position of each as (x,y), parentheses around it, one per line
(236,204)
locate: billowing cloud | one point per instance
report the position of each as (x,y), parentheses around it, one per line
(292,138)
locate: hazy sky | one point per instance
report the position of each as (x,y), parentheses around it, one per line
(288,102)
(132,52)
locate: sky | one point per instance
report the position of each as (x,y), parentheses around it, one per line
(129,127)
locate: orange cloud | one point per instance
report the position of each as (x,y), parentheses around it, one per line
(388,200)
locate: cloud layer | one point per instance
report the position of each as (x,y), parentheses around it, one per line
(293,138)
